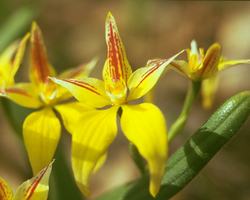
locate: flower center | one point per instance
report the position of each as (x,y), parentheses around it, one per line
(117,92)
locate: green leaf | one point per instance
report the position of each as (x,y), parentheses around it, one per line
(189,159)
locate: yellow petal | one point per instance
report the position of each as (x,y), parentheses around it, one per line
(23,94)
(210,62)
(181,66)
(41,133)
(116,70)
(6,64)
(145,78)
(90,140)
(5,190)
(71,113)
(79,72)
(40,68)
(10,61)
(36,188)
(6,57)
(19,54)
(88,90)
(144,125)
(224,64)
(208,90)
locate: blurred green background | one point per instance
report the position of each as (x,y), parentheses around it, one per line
(74,34)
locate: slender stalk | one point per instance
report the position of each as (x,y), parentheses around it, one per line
(180,122)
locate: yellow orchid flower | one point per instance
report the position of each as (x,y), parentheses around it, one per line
(10,61)
(36,188)
(143,124)
(42,129)
(204,67)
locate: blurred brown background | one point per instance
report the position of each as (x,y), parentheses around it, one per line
(74,33)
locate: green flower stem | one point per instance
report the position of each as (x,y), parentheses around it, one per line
(139,161)
(179,124)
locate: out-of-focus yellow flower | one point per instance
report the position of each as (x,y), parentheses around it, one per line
(42,129)
(36,188)
(204,66)
(143,124)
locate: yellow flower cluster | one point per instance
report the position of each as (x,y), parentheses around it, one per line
(101,104)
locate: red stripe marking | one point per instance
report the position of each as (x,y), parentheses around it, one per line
(80,82)
(84,85)
(17,91)
(177,66)
(150,71)
(115,58)
(32,188)
(39,57)
(210,61)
